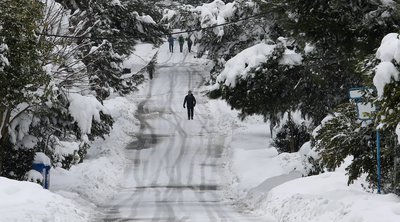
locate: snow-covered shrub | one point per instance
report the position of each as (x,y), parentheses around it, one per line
(18,161)
(264,83)
(291,137)
(343,135)
(65,124)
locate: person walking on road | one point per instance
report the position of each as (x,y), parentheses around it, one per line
(189,43)
(171,43)
(190,102)
(181,40)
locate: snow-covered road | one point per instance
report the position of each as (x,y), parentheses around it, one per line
(175,171)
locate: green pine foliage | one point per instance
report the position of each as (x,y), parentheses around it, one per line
(351,26)
(388,116)
(269,90)
(291,137)
(18,22)
(389,112)
(22,75)
(341,33)
(113,31)
(18,161)
(343,135)
(52,123)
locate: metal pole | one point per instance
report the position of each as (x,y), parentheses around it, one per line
(378,158)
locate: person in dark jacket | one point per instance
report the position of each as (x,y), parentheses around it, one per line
(189,42)
(190,102)
(171,43)
(181,40)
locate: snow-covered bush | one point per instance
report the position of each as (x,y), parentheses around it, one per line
(264,83)
(343,135)
(291,137)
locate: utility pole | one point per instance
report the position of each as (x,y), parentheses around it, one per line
(396,167)
(378,158)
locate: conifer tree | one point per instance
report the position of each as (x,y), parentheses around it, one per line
(22,74)
(343,136)
(340,33)
(110,33)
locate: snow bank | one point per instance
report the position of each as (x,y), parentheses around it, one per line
(327,197)
(252,143)
(268,183)
(98,178)
(243,62)
(26,201)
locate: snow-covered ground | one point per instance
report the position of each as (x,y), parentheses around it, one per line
(258,179)
(74,194)
(26,201)
(265,182)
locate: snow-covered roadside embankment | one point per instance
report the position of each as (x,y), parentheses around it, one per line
(269,183)
(98,178)
(26,201)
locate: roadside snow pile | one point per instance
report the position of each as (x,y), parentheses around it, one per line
(327,197)
(254,161)
(268,183)
(243,62)
(98,178)
(25,201)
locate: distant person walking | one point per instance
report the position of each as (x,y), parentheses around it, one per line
(190,102)
(171,43)
(189,43)
(181,40)
(150,68)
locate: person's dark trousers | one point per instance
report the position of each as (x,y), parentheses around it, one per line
(190,112)
(171,47)
(189,47)
(181,47)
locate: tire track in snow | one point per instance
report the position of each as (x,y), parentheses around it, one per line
(182,173)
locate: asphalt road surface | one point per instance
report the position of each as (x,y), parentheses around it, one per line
(175,169)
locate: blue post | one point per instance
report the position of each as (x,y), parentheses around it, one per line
(378,158)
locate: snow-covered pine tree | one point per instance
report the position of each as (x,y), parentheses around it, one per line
(110,30)
(268,90)
(21,73)
(342,135)
(334,35)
